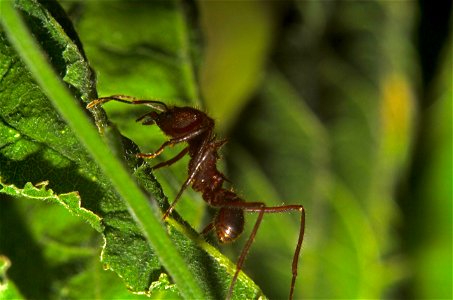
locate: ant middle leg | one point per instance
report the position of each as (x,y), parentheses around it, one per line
(171,160)
(203,153)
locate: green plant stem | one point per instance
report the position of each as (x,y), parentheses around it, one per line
(136,201)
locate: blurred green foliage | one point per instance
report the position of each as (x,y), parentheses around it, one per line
(344,107)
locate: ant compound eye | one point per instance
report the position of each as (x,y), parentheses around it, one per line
(229,224)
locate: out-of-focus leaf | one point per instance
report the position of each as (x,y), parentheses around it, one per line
(354,68)
(237,49)
(298,149)
(7,288)
(431,239)
(143,60)
(95,282)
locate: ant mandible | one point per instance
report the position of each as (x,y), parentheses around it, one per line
(194,127)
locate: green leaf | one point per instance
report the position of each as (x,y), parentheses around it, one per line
(112,204)
(8,290)
(150,57)
(236,52)
(432,245)
(34,134)
(71,201)
(97,283)
(53,252)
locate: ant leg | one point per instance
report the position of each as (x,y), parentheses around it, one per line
(178,196)
(200,158)
(244,252)
(173,142)
(285,208)
(262,209)
(207,229)
(172,160)
(158,151)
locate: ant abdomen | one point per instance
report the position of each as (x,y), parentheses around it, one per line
(209,180)
(229,224)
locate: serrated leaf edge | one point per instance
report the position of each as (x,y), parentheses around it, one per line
(49,195)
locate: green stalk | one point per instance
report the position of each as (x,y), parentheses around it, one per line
(137,202)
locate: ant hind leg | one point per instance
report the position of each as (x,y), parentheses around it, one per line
(261,208)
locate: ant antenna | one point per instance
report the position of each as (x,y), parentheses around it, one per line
(154,104)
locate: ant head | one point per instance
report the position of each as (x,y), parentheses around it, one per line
(178,121)
(229,224)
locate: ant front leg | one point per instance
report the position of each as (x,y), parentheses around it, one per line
(201,157)
(172,160)
(261,208)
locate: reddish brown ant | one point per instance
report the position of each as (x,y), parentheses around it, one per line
(190,125)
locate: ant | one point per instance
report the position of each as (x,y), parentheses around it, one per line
(194,127)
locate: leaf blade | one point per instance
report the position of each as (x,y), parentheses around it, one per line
(139,206)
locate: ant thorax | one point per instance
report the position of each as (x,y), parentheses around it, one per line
(183,121)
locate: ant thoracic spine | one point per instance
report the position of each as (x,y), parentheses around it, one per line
(194,127)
